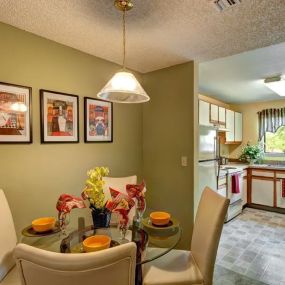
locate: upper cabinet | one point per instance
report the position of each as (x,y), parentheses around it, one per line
(211,114)
(230,125)
(238,127)
(214,114)
(222,116)
(234,126)
(204,113)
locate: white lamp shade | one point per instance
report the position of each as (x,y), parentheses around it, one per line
(123,87)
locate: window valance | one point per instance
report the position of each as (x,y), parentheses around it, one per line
(269,120)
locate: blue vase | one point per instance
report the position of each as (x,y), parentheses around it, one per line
(101,218)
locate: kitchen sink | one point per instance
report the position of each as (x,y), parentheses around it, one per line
(228,167)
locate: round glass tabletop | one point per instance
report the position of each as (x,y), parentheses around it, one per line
(152,242)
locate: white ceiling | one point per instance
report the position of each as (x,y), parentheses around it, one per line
(160,33)
(239,78)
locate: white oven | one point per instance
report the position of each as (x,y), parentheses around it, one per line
(235,207)
(234,196)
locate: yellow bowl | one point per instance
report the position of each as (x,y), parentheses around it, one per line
(43,224)
(160,218)
(97,242)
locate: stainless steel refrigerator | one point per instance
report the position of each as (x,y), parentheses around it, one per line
(208,160)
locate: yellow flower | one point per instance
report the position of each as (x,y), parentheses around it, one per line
(94,186)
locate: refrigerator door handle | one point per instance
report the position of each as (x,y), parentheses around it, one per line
(218,155)
(217,150)
(215,147)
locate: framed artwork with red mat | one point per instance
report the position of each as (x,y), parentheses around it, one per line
(59,117)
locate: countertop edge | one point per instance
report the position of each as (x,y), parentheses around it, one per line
(246,166)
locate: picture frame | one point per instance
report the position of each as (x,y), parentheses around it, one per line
(15,114)
(59,114)
(98,120)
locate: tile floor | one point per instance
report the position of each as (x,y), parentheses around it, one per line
(252,250)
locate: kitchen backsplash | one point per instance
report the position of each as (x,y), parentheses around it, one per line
(224,150)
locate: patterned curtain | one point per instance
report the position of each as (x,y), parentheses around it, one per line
(269,120)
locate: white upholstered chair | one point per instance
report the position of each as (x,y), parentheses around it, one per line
(195,266)
(113,266)
(8,240)
(119,183)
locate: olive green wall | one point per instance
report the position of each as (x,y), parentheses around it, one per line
(169,127)
(156,134)
(33,176)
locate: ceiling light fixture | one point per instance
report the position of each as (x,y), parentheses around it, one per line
(123,87)
(276,84)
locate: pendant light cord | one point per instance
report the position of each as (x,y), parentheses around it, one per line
(124,39)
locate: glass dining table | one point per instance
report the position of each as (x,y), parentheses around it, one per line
(152,242)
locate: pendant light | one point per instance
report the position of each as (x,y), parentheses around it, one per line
(123,87)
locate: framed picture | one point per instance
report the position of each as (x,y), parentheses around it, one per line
(98,120)
(15,113)
(59,117)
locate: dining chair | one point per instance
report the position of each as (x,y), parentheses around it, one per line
(113,266)
(197,265)
(8,241)
(119,183)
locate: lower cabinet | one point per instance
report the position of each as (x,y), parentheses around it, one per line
(279,199)
(262,192)
(244,191)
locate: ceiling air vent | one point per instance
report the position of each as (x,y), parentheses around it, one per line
(222,5)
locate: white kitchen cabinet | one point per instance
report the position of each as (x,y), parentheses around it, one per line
(280,174)
(204,113)
(230,125)
(262,191)
(263,173)
(244,191)
(280,199)
(214,114)
(222,116)
(238,127)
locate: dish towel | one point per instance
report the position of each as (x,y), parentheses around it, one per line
(283,188)
(235,184)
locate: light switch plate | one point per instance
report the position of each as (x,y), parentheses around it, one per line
(184,161)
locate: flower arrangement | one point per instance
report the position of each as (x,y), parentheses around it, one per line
(93,190)
(251,152)
(120,203)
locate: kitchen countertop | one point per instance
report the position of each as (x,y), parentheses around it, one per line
(237,165)
(261,166)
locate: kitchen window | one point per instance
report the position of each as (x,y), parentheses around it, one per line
(275,142)
(272,130)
